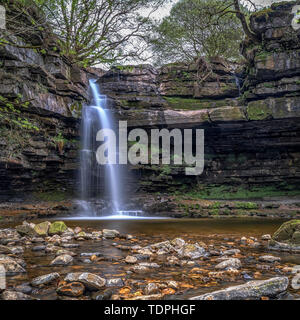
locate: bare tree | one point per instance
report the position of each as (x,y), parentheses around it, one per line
(101,31)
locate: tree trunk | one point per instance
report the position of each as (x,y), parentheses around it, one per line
(245,26)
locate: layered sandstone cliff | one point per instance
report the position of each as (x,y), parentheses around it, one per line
(250,114)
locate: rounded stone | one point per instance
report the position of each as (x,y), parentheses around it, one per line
(73,289)
(57,227)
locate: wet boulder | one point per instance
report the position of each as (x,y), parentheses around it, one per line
(61,252)
(26,230)
(289,232)
(191,251)
(45,279)
(24,288)
(269,259)
(12,266)
(8,234)
(110,234)
(91,281)
(14,295)
(178,243)
(251,290)
(140,269)
(115,282)
(63,260)
(5,250)
(131,260)
(229,263)
(152,288)
(73,289)
(42,228)
(57,227)
(231,252)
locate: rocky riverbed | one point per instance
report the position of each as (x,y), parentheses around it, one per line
(53,261)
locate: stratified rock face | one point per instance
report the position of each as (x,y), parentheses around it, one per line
(48,80)
(252,290)
(29,159)
(275,62)
(213,80)
(251,140)
(37,72)
(133,87)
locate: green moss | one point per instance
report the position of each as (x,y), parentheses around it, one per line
(286,231)
(166,170)
(216,205)
(57,227)
(263,55)
(194,104)
(214,212)
(258,110)
(246,205)
(52,196)
(278,4)
(226,192)
(128,68)
(76,109)
(268,85)
(262,13)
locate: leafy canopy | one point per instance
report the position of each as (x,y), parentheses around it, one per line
(101,31)
(197,28)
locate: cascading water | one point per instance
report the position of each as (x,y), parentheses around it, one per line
(96,117)
(106,122)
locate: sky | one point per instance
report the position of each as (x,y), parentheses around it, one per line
(164,11)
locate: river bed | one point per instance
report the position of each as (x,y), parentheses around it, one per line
(193,279)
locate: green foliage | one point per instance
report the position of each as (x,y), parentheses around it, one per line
(60,142)
(100,31)
(246,205)
(230,193)
(52,196)
(195,28)
(166,170)
(11,110)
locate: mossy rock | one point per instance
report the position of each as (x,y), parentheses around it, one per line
(57,227)
(296,237)
(259,110)
(26,230)
(289,232)
(42,228)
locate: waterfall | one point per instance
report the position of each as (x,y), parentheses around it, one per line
(92,181)
(94,118)
(105,120)
(238,83)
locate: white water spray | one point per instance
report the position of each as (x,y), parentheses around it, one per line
(96,117)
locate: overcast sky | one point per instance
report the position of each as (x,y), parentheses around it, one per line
(164,11)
